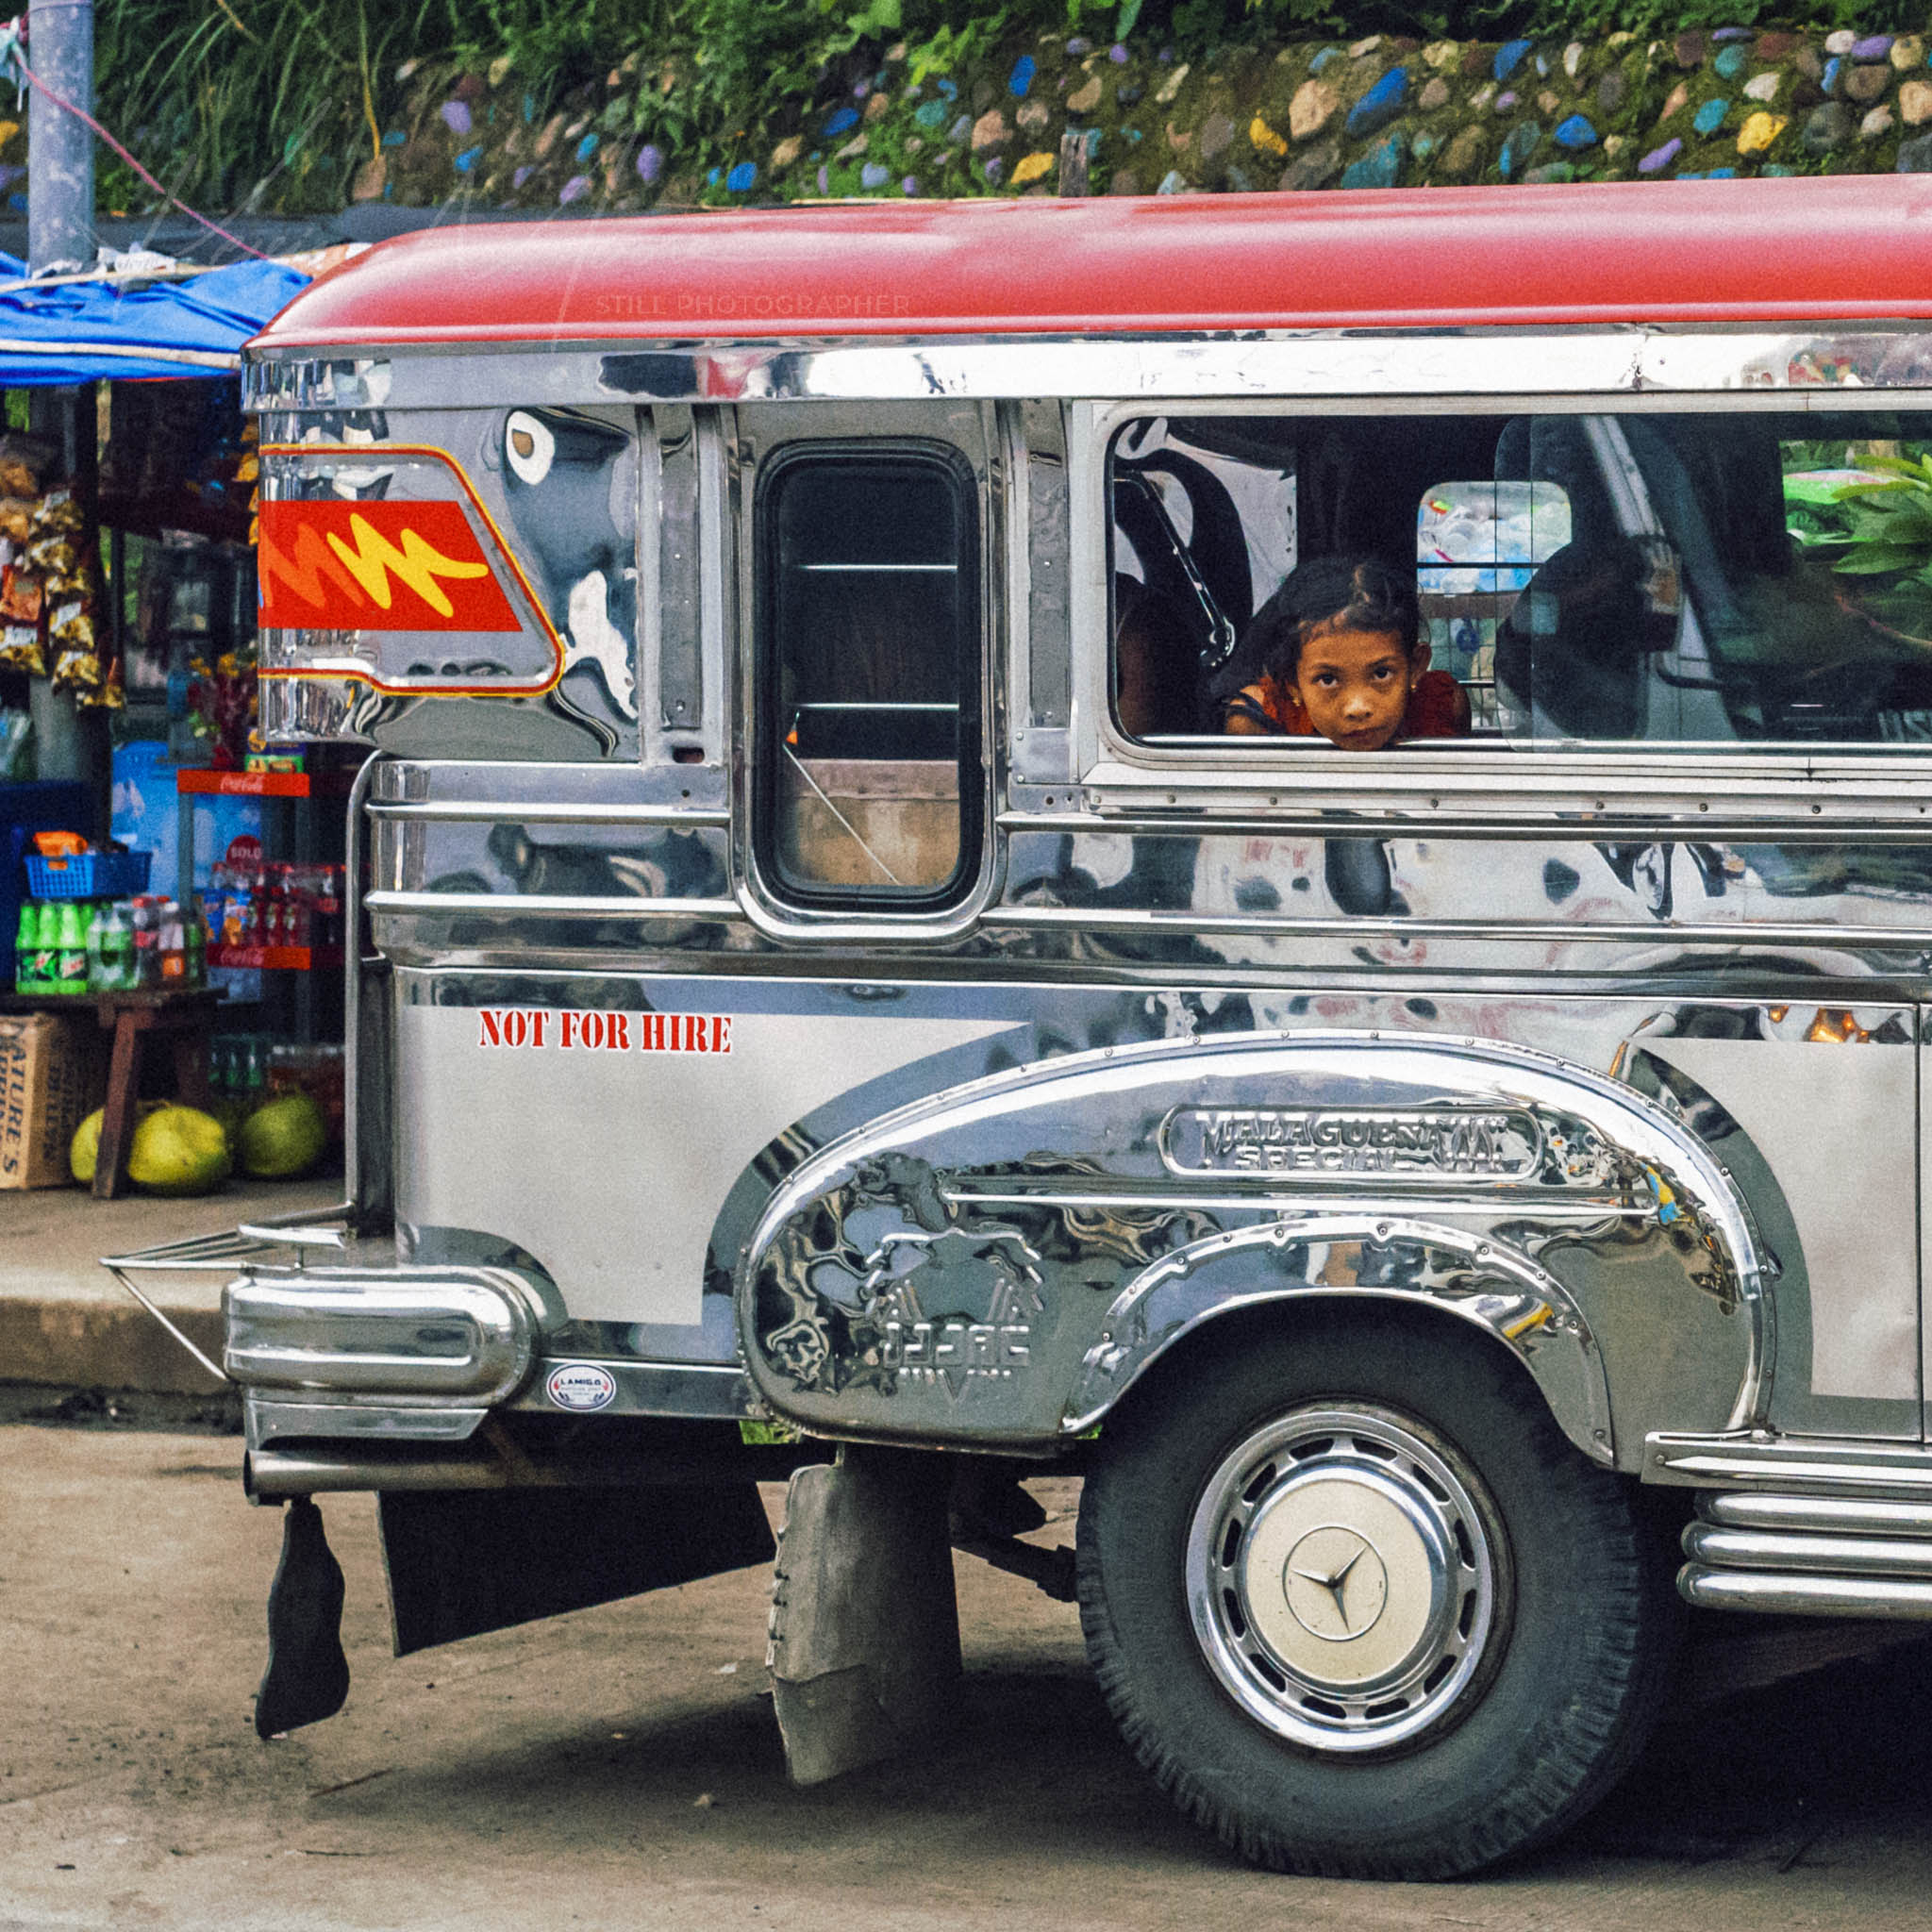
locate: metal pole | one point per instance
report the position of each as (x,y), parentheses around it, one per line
(59,148)
(60,234)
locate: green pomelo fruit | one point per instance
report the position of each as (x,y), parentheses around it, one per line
(84,1150)
(179,1150)
(283,1137)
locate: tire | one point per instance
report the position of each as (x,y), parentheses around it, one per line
(1360,1607)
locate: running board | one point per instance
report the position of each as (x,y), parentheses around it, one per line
(1809,1555)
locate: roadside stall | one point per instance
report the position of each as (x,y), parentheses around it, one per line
(181,892)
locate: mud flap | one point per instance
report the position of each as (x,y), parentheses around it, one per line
(865,1628)
(461,1562)
(308,1676)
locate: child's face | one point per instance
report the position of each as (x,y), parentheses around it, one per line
(1355,686)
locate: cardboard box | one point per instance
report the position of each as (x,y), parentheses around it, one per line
(48,1074)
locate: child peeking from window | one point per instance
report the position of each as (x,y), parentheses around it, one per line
(1336,653)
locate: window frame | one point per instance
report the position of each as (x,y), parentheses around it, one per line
(1484,784)
(884,904)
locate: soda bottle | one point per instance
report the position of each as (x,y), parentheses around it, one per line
(24,949)
(115,946)
(46,929)
(173,944)
(97,962)
(145,960)
(69,940)
(197,935)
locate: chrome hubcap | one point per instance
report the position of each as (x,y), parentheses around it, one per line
(1342,1579)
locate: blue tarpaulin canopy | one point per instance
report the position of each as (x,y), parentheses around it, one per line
(83,331)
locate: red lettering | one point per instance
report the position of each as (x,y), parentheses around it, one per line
(516,1029)
(674,1028)
(617,1031)
(696,1023)
(592,1027)
(567,1024)
(651,1032)
(537,1021)
(720,1033)
(492,1027)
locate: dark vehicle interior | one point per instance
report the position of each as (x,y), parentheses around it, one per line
(1709,578)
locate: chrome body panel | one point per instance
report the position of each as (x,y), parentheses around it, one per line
(938,1274)
(963,1177)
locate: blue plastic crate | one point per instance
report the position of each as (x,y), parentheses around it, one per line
(88,876)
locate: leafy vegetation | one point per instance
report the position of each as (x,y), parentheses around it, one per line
(259,103)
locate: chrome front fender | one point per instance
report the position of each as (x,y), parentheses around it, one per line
(1343,1257)
(993,1264)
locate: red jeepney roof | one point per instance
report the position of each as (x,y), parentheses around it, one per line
(1697,251)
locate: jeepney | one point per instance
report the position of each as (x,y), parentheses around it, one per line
(802,1023)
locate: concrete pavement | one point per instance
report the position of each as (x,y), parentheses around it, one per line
(619,1766)
(65,1320)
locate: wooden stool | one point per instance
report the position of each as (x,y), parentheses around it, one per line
(187,1019)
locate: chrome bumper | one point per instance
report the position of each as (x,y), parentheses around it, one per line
(363,1347)
(458,1334)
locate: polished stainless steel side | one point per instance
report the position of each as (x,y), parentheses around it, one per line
(426,1333)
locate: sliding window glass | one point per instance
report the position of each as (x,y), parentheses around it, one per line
(868,675)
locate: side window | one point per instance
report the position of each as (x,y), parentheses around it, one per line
(1690,577)
(867,784)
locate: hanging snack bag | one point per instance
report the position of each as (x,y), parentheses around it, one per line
(20,595)
(71,638)
(20,649)
(26,463)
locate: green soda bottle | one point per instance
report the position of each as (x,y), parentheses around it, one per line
(70,967)
(45,928)
(24,949)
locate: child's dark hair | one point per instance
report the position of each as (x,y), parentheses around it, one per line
(1324,593)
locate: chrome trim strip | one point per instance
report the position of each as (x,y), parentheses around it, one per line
(1745,932)
(1545,1204)
(1782,1462)
(1818,1514)
(1804,1597)
(551,906)
(1417,819)
(1859,1555)
(466,812)
(1621,359)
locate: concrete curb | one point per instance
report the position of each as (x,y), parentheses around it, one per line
(94,1344)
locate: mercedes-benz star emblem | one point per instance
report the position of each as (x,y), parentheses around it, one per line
(1336,1585)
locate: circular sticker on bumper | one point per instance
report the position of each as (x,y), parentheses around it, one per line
(581,1386)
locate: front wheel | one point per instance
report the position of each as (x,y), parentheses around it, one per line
(1360,1607)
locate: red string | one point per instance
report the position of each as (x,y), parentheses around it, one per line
(81,114)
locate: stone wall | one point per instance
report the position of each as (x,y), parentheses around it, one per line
(1065,116)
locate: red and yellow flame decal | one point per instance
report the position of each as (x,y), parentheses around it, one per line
(331,565)
(327,564)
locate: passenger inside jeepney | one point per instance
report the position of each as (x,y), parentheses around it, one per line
(1718,578)
(1337,652)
